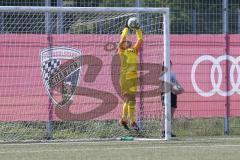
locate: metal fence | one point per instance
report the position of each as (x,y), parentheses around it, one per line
(187,16)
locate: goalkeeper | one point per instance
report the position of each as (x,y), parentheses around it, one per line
(128,75)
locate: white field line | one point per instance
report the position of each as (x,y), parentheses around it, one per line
(119,148)
(136,141)
(114,142)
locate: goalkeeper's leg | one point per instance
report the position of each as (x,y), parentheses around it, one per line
(131,114)
(124,115)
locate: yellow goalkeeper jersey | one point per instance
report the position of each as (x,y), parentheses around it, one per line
(129,63)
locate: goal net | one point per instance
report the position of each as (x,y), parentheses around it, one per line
(36,42)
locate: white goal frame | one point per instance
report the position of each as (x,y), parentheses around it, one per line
(166,35)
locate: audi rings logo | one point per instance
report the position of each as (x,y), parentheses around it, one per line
(216,67)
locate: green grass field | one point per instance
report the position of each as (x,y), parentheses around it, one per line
(197,139)
(203,148)
(182,127)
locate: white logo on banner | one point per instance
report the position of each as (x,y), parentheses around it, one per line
(216,84)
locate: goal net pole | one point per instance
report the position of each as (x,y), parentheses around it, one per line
(48,30)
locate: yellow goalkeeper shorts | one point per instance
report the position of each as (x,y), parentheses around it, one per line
(128,84)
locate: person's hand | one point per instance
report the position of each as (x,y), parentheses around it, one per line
(126,24)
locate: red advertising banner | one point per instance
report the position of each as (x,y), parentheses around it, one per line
(199,62)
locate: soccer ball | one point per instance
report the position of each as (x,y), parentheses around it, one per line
(177,89)
(133,22)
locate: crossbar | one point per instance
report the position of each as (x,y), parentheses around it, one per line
(82,9)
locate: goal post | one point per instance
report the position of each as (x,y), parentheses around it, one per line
(167,100)
(86,31)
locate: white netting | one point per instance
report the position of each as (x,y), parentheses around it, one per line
(26,111)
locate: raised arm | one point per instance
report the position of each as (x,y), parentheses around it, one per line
(139,42)
(123,37)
